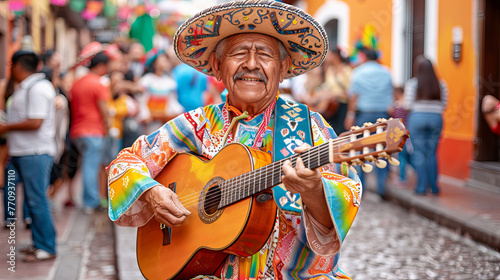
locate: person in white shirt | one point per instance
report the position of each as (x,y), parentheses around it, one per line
(31,145)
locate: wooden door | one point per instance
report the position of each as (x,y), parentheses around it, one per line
(486,147)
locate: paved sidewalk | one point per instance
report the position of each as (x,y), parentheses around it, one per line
(92,247)
(469,211)
(85,245)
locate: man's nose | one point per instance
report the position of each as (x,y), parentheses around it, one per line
(251,62)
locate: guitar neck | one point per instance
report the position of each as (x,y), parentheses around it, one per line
(254,182)
(372,142)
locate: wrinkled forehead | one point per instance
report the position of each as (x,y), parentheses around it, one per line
(247,41)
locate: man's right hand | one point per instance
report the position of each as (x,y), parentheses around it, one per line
(166,206)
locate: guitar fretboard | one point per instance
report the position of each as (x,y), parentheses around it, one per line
(256,181)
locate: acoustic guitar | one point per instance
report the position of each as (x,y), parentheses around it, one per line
(230,199)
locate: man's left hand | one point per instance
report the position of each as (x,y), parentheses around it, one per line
(301,179)
(309,185)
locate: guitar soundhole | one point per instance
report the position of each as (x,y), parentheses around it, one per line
(212,200)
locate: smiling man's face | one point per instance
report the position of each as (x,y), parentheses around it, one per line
(251,70)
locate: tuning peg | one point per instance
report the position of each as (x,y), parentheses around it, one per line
(354,127)
(367,124)
(381,120)
(370,158)
(383,155)
(367,168)
(353,169)
(393,161)
(381,163)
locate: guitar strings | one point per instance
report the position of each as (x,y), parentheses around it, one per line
(237,183)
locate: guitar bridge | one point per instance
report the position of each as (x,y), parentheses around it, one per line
(167,232)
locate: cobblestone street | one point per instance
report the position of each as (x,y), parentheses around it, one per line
(388,242)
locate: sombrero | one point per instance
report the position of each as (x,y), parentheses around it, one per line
(302,36)
(87,53)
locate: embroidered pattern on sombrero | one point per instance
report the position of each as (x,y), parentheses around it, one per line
(302,36)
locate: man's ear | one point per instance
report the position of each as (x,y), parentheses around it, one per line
(285,67)
(215,64)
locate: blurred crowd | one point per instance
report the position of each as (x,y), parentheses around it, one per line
(55,123)
(351,94)
(81,118)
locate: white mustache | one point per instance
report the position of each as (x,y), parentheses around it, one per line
(253,73)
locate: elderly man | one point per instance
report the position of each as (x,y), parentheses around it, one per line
(251,46)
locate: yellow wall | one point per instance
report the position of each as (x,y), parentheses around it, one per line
(456,148)
(4,9)
(41,8)
(378,13)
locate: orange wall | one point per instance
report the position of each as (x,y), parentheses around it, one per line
(456,149)
(377,13)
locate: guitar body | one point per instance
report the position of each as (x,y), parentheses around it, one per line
(201,245)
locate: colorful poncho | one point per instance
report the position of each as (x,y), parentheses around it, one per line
(288,254)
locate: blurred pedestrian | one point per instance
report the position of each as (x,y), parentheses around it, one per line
(398,110)
(426,97)
(3,117)
(122,104)
(31,145)
(134,126)
(190,83)
(52,59)
(8,90)
(490,107)
(212,94)
(160,90)
(312,88)
(370,96)
(90,125)
(135,58)
(52,70)
(337,80)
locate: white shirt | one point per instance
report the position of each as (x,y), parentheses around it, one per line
(39,105)
(424,106)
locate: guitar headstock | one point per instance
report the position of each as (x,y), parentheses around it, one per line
(370,143)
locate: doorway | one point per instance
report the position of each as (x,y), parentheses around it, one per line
(331,28)
(414,34)
(486,146)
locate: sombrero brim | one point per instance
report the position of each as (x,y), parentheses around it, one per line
(87,53)
(302,36)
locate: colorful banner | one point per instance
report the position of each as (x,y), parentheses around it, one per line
(77,5)
(367,39)
(17,7)
(58,2)
(92,9)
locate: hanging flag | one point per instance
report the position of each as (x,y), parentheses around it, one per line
(17,7)
(58,2)
(77,5)
(143,30)
(110,9)
(92,9)
(366,39)
(95,7)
